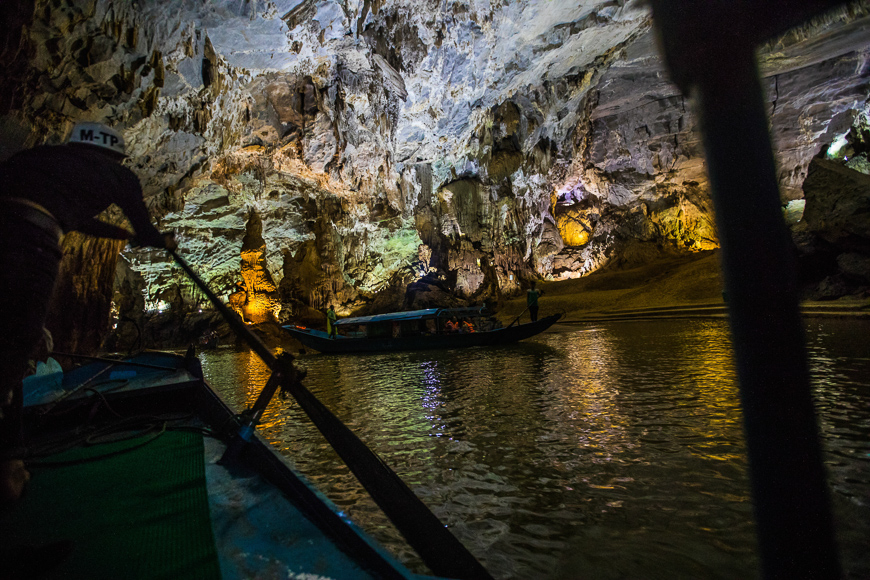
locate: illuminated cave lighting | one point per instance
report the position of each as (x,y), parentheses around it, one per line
(152,306)
(794,211)
(569,275)
(589,266)
(838,144)
(570,194)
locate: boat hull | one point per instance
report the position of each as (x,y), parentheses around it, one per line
(300,530)
(321,342)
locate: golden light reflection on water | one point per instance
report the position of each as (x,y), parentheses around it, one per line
(592,393)
(241,382)
(637,389)
(256,374)
(708,368)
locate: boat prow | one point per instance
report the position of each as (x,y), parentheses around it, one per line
(128,482)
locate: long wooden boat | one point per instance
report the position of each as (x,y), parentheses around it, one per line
(415,330)
(127,483)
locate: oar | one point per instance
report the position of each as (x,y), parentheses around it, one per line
(523,312)
(282,374)
(437,546)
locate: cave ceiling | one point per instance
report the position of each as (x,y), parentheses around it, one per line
(370,141)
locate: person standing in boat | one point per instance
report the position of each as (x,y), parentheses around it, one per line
(532,301)
(331,318)
(45,192)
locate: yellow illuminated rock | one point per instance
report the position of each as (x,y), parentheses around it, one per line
(574,228)
(257,298)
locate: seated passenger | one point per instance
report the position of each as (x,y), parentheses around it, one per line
(451,325)
(466,326)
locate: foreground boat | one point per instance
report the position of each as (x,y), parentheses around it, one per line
(416,330)
(127,483)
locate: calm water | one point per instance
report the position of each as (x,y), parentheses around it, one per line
(606,451)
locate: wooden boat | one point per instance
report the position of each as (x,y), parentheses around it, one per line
(208,340)
(127,483)
(415,330)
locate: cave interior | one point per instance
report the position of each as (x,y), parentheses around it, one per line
(393,155)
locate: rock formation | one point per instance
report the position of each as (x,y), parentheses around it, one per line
(401,154)
(257,297)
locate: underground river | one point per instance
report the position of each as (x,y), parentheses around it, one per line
(601,451)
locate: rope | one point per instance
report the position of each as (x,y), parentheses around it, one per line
(98,437)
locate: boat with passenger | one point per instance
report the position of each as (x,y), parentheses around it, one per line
(418,330)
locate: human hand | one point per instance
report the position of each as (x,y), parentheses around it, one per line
(13,479)
(169,241)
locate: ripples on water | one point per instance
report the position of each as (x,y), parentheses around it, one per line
(612,451)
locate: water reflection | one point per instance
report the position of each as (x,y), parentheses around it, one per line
(611,451)
(839,355)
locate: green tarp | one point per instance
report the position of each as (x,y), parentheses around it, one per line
(137,514)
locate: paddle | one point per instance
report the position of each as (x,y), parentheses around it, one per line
(439,549)
(523,312)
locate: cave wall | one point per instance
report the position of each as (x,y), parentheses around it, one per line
(467,146)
